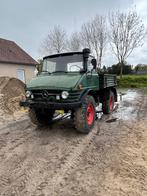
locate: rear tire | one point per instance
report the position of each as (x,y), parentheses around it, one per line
(39,117)
(108,104)
(84,117)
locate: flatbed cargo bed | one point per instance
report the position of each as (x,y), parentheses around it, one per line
(107,80)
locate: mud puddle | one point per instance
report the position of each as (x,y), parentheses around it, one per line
(127,106)
(124,109)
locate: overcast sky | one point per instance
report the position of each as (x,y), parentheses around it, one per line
(27,21)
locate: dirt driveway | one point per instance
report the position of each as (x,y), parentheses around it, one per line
(110,161)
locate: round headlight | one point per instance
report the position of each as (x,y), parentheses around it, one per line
(64,94)
(28,94)
(32,96)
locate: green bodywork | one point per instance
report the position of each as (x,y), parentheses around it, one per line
(47,85)
(67,81)
(70,82)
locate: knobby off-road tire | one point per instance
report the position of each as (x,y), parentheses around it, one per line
(84,117)
(39,117)
(108,104)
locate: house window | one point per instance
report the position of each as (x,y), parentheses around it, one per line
(21,75)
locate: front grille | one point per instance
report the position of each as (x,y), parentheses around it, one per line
(45,95)
(48,95)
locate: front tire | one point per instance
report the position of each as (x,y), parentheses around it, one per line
(41,117)
(84,117)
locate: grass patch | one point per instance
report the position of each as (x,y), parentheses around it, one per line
(132,81)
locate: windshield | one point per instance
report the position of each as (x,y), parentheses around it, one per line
(69,63)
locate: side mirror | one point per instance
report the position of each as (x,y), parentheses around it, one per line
(94,63)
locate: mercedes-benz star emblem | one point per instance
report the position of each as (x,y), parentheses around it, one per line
(45,94)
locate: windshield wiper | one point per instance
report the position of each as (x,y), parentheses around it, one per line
(59,71)
(46,71)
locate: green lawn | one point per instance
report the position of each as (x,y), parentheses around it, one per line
(132,81)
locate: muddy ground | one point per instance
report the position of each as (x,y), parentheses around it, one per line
(56,160)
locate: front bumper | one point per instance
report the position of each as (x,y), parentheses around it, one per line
(49,105)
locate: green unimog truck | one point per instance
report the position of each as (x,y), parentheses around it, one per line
(70,82)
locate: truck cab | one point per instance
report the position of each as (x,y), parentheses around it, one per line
(70,82)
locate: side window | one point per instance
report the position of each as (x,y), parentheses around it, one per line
(74,66)
(49,66)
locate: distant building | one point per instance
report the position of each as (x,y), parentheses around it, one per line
(15,62)
(140,69)
(141,72)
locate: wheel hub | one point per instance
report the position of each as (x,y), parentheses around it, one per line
(111,103)
(90,114)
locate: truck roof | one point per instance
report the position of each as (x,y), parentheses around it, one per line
(63,54)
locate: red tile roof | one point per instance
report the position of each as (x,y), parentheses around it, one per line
(10,52)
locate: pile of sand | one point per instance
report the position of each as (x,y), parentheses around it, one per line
(12,91)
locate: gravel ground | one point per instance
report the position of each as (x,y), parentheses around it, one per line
(56,160)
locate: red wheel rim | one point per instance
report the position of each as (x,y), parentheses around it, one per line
(90,114)
(111,103)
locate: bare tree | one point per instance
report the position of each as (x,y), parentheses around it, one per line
(55,42)
(85,35)
(99,37)
(74,42)
(94,36)
(126,33)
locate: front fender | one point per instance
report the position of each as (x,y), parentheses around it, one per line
(89,92)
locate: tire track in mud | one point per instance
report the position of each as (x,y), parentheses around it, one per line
(60,178)
(38,173)
(15,124)
(27,170)
(40,180)
(30,175)
(72,161)
(19,170)
(5,179)
(21,176)
(14,161)
(11,141)
(23,171)
(50,184)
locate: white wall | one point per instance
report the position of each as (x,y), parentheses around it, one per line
(11,70)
